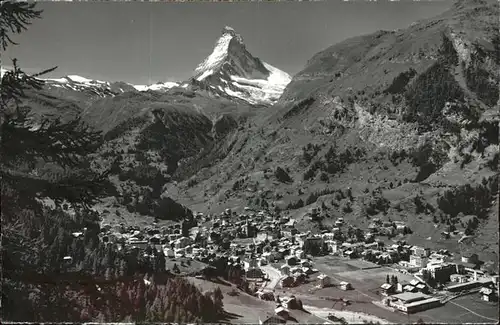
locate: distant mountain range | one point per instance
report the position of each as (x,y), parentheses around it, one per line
(229,71)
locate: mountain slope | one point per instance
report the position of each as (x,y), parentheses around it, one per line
(377,68)
(230,70)
(402,118)
(153,138)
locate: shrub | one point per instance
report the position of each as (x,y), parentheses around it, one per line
(469,200)
(313,197)
(429,93)
(478,81)
(493,163)
(298,107)
(347,207)
(377,203)
(192,182)
(309,152)
(295,205)
(400,81)
(282,175)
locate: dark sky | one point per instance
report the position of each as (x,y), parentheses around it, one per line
(112,40)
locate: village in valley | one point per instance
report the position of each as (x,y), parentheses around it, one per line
(335,274)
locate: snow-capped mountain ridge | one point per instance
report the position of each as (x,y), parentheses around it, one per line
(75,81)
(161,86)
(230,70)
(99,87)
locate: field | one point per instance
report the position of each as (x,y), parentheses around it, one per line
(454,312)
(363,275)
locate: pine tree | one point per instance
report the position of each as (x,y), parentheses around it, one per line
(387,279)
(175,268)
(24,144)
(161,262)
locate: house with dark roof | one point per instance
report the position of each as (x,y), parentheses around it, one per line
(487,294)
(387,289)
(287,281)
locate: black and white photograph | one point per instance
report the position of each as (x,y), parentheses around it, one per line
(250,162)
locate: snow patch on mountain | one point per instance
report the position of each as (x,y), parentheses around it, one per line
(204,75)
(268,90)
(76,82)
(239,95)
(84,80)
(156,87)
(99,87)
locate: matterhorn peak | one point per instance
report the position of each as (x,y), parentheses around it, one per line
(220,52)
(231,32)
(228,29)
(232,70)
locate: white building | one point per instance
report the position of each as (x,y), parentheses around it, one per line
(333,246)
(324,280)
(438,258)
(299,253)
(345,286)
(418,261)
(267,256)
(169,252)
(487,294)
(328,236)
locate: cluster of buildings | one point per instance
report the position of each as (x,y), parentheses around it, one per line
(275,238)
(350,242)
(416,296)
(266,239)
(283,312)
(412,302)
(413,286)
(459,278)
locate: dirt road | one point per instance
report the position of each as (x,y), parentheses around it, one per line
(274,274)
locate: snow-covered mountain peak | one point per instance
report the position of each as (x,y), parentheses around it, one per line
(219,53)
(230,31)
(231,70)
